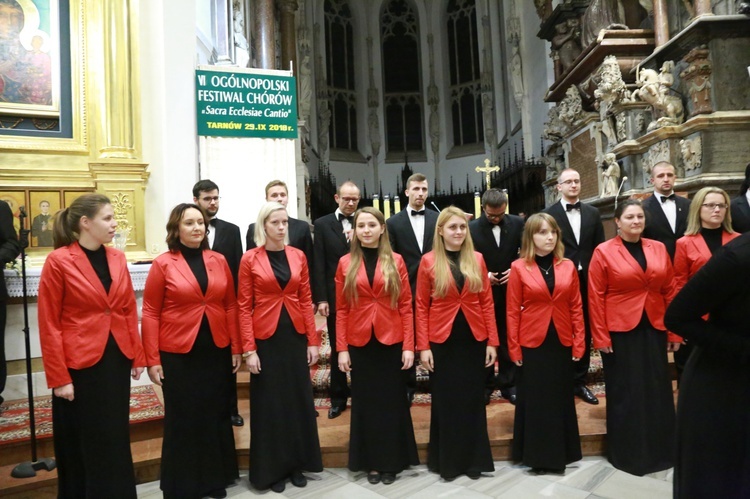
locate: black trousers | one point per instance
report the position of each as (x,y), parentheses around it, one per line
(3,366)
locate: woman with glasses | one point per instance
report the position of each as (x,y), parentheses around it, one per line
(457,339)
(375,336)
(630,282)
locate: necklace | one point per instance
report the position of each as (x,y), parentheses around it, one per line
(546,271)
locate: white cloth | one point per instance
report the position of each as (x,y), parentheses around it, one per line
(670,210)
(417,225)
(211,235)
(346,224)
(574,217)
(496,233)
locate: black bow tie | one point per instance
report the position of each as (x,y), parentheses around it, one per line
(343,217)
(574,206)
(212,222)
(415,213)
(664,199)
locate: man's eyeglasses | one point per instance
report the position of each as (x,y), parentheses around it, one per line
(573,181)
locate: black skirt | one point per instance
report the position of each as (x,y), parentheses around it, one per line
(640,404)
(381,435)
(545,432)
(198,451)
(92,432)
(283,426)
(459,442)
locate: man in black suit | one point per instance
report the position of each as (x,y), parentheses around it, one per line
(224,238)
(9,249)
(497,237)
(741,206)
(666,213)
(333,233)
(298,230)
(666,221)
(582,232)
(410,232)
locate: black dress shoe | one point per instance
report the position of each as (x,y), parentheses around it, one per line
(237,420)
(474,475)
(373,477)
(218,494)
(510,396)
(278,487)
(388,478)
(585,394)
(487,395)
(335,412)
(298,479)
(410,395)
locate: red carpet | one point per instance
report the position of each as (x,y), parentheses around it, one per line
(14,420)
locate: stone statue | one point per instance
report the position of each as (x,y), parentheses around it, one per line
(571,108)
(692,152)
(373,124)
(554,160)
(566,44)
(610,91)
(654,88)
(610,175)
(599,15)
(241,47)
(516,78)
(543,8)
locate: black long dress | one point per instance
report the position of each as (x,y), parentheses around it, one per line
(545,431)
(91,433)
(640,404)
(283,428)
(459,442)
(713,414)
(381,435)
(198,450)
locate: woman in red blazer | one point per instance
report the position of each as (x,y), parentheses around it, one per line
(88,329)
(709,227)
(280,343)
(545,336)
(192,343)
(457,339)
(630,281)
(375,341)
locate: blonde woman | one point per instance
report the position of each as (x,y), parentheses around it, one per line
(457,339)
(375,341)
(545,336)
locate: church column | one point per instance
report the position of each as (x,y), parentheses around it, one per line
(223,29)
(703,8)
(264,28)
(661,23)
(288,35)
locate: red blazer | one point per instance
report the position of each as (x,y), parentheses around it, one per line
(435,315)
(173,305)
(619,290)
(530,307)
(355,322)
(261,297)
(76,316)
(691,254)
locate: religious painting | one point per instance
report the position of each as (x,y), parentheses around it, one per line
(30,58)
(42,208)
(15,200)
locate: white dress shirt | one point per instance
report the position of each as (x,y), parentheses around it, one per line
(417,225)
(670,210)
(574,217)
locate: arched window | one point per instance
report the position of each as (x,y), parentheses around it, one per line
(465,86)
(401,78)
(340,74)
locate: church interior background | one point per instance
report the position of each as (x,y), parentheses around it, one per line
(384,88)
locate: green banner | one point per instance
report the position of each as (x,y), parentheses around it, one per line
(246,104)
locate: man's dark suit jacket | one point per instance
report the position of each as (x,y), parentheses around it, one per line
(330,245)
(498,259)
(404,242)
(740,214)
(228,242)
(592,235)
(299,237)
(9,245)
(657,225)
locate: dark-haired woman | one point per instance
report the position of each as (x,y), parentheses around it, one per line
(545,336)
(192,344)
(280,343)
(630,282)
(457,339)
(88,328)
(375,341)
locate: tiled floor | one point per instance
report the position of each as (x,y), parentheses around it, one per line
(591,478)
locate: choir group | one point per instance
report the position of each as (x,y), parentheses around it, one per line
(532,295)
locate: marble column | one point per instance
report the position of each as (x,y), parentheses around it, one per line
(223,32)
(288,34)
(702,8)
(661,23)
(264,29)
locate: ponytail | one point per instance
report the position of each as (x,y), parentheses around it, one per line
(66,222)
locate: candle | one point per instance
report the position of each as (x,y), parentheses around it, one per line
(376,202)
(386,207)
(477,205)
(396,204)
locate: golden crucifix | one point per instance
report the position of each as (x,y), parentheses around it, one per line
(487,169)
